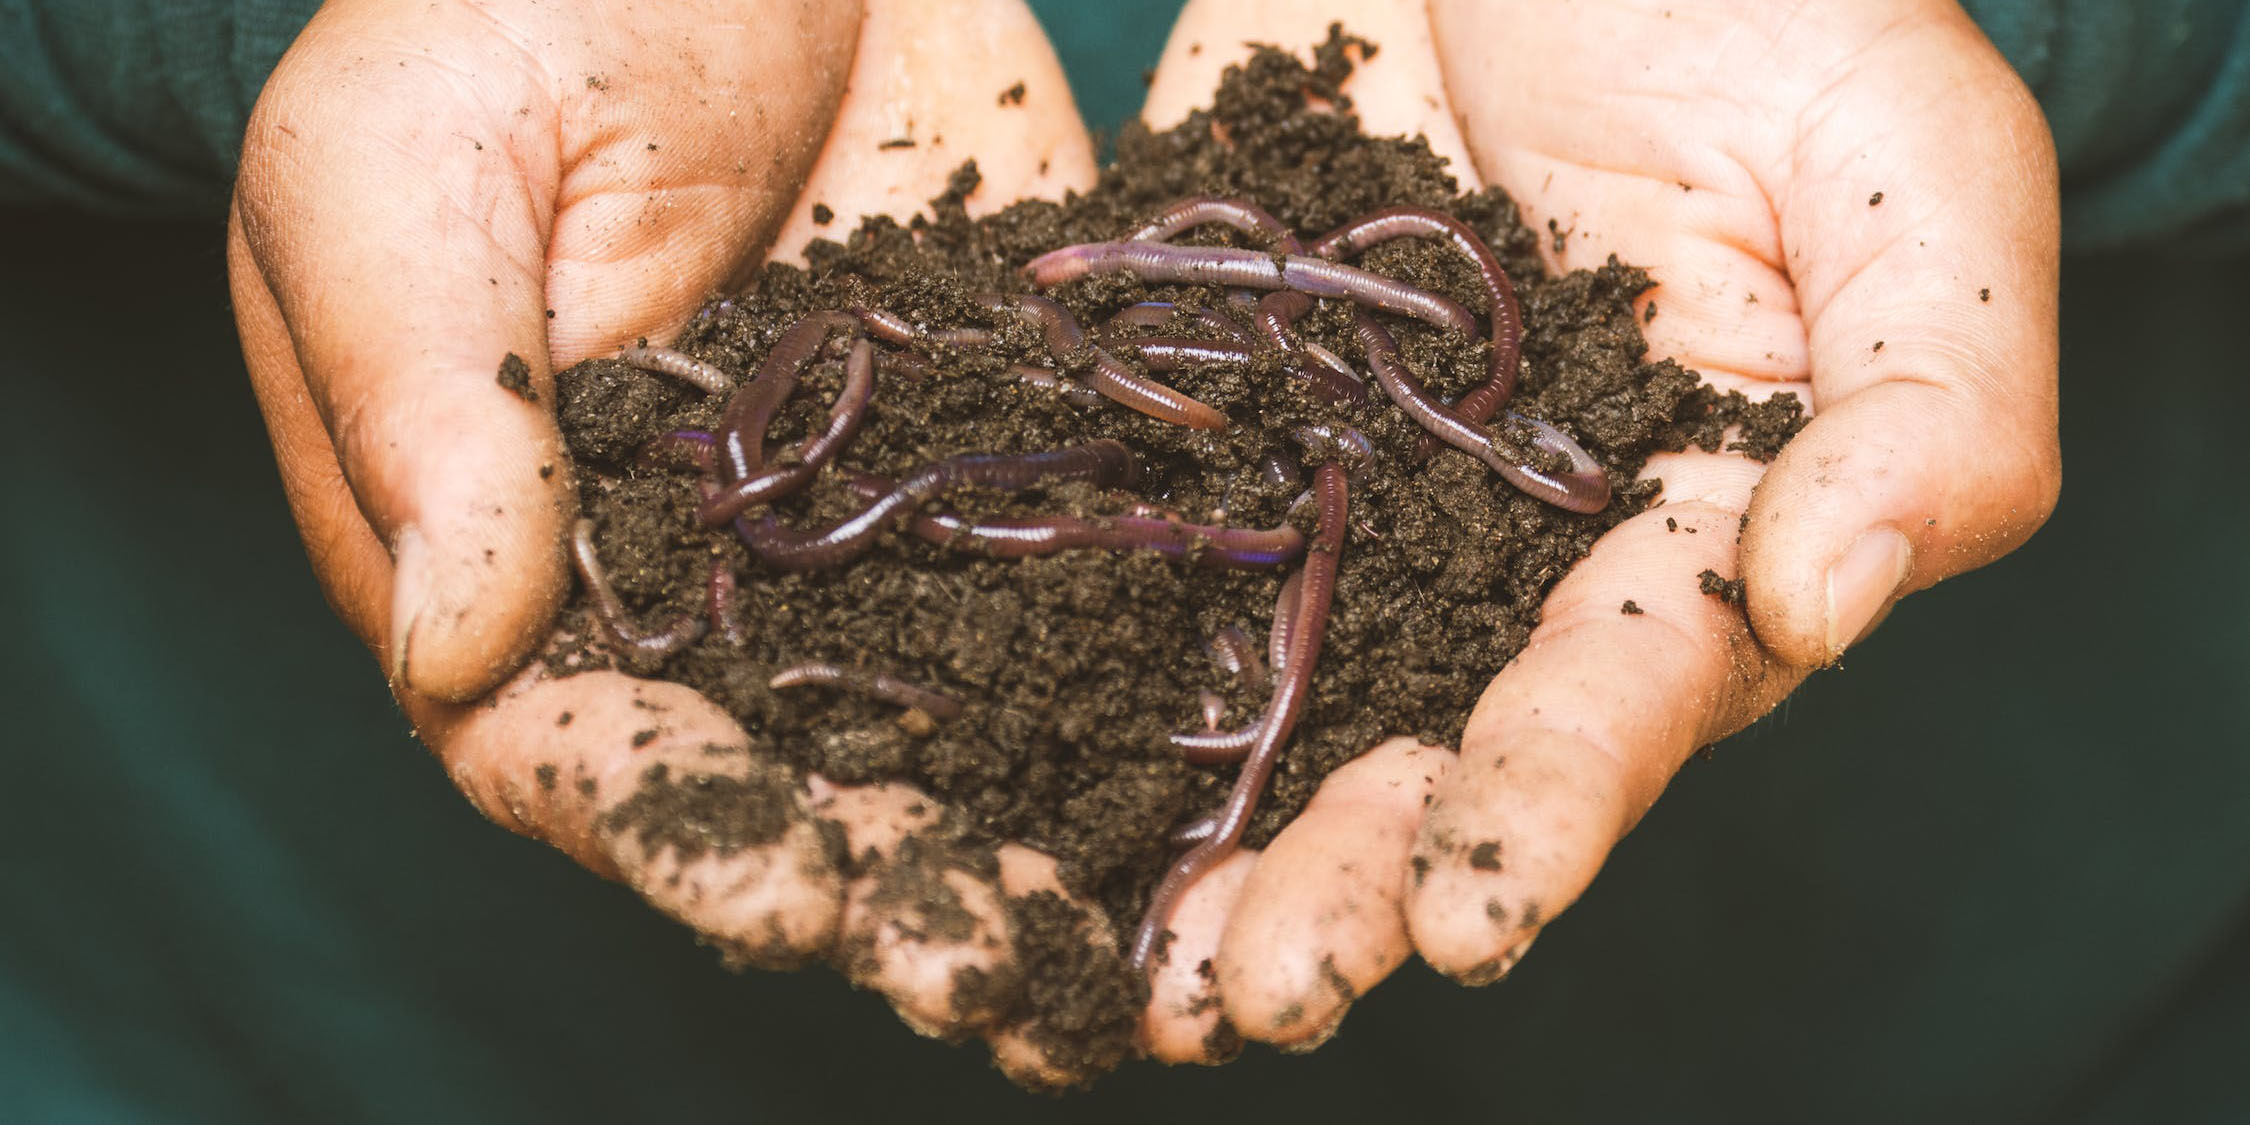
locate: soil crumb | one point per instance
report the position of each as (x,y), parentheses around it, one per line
(1073,669)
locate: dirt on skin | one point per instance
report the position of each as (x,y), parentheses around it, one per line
(1074,668)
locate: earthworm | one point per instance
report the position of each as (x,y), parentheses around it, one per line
(1214,708)
(1506,314)
(1072,392)
(912,368)
(679,365)
(1584,487)
(1232,651)
(1196,211)
(742,426)
(1107,376)
(720,599)
(609,612)
(892,328)
(812,453)
(1104,462)
(1220,748)
(1170,353)
(1294,683)
(1277,317)
(693,449)
(1159,314)
(1342,442)
(1281,472)
(1284,619)
(1238,548)
(1250,269)
(877,685)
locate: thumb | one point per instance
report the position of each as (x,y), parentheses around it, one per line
(1930,314)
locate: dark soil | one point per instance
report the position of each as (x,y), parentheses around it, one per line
(1074,668)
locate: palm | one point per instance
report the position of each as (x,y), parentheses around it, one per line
(1736,152)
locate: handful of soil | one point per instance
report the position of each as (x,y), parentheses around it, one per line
(1071,670)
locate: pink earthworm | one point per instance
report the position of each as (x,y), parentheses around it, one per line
(1236,548)
(1103,462)
(720,602)
(679,365)
(1197,211)
(813,453)
(1249,269)
(1160,314)
(1219,748)
(877,685)
(1282,711)
(609,612)
(1111,378)
(1277,317)
(1584,487)
(1214,708)
(1232,651)
(742,427)
(1506,314)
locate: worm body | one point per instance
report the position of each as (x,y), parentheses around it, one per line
(813,453)
(742,428)
(875,685)
(1506,313)
(1108,377)
(1105,463)
(1280,718)
(679,365)
(609,612)
(1248,269)
(1584,487)
(1196,211)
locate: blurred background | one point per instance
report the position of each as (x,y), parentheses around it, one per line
(1997,867)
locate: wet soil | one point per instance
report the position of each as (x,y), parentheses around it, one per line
(1074,668)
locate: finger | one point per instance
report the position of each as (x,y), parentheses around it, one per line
(933,86)
(650,782)
(1057,1046)
(1396,91)
(1577,736)
(1186,1019)
(1321,921)
(352,565)
(400,211)
(1932,320)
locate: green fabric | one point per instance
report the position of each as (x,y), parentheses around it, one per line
(133,105)
(138,105)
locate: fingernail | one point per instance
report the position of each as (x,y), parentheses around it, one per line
(1862,581)
(410,590)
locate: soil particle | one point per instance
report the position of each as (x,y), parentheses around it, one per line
(823,214)
(545,775)
(1728,590)
(1013,95)
(515,378)
(1631,608)
(1074,668)
(1485,856)
(1875,200)
(700,813)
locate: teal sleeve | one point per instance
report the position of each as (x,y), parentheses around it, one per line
(138,105)
(2150,105)
(133,106)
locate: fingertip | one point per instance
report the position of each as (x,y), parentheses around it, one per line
(1515,835)
(1185,1021)
(1887,492)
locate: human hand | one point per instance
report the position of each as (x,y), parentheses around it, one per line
(1736,149)
(426,189)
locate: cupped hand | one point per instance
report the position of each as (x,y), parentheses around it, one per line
(429,188)
(1853,203)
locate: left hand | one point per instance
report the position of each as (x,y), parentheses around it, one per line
(1736,150)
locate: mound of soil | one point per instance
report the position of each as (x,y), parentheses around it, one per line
(1074,668)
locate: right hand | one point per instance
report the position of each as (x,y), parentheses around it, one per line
(426,189)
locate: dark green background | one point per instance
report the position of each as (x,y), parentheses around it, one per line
(1995,868)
